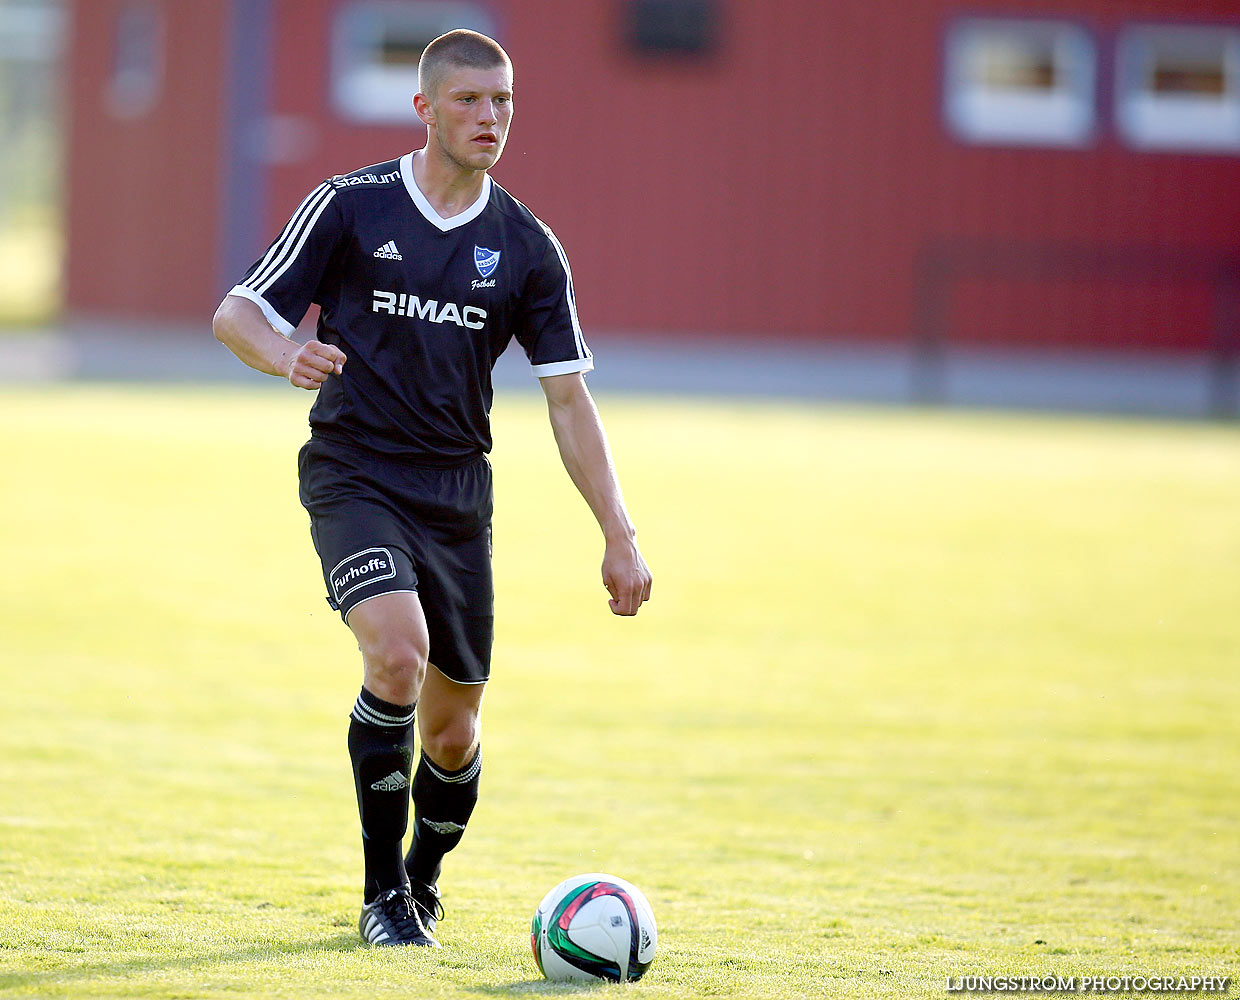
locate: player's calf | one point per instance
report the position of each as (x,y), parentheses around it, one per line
(381,750)
(443,801)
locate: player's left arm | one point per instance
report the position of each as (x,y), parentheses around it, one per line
(583,448)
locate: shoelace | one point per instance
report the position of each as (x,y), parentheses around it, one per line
(422,895)
(397,904)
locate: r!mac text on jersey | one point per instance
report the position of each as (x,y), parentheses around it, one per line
(401,304)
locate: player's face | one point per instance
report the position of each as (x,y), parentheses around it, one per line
(471,113)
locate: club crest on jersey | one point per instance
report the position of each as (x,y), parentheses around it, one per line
(485,260)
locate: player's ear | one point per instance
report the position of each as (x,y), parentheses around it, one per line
(422,105)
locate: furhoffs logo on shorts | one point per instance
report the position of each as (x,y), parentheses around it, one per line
(360,569)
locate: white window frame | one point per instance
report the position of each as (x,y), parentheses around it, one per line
(1063,117)
(1182,122)
(363,89)
(136,76)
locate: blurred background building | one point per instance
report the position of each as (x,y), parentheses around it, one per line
(31,160)
(923,177)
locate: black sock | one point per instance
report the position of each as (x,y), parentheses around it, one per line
(442,803)
(381,748)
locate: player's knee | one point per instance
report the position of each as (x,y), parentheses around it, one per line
(452,745)
(397,665)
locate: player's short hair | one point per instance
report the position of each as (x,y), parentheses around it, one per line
(461,47)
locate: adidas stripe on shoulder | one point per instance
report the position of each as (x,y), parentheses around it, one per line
(290,241)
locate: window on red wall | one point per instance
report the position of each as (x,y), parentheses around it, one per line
(135,77)
(1020,82)
(376,45)
(1178,87)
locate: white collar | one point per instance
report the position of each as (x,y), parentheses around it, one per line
(429,213)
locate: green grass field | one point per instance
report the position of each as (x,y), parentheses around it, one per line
(919,695)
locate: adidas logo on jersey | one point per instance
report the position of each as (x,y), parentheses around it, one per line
(394,782)
(389,251)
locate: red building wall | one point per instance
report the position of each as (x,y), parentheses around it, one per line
(792,183)
(143,188)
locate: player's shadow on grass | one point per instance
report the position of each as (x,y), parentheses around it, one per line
(206,960)
(196,959)
(538,988)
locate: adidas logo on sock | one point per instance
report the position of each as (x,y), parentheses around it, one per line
(394,782)
(445,827)
(389,251)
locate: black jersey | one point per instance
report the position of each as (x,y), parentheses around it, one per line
(421,306)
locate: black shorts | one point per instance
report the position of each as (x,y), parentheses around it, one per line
(381,525)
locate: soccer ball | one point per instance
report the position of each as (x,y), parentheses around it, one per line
(592,927)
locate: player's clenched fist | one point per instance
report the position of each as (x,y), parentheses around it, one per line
(311,365)
(626,577)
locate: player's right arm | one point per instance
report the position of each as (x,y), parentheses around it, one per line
(240,325)
(258,316)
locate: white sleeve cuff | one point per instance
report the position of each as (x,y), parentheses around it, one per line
(272,317)
(563,367)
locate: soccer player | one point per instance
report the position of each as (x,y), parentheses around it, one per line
(423,268)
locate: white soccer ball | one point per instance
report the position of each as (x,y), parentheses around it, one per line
(592,927)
